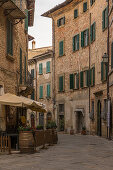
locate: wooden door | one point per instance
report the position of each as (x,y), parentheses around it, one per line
(99,118)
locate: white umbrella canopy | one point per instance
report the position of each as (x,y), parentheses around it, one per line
(20,101)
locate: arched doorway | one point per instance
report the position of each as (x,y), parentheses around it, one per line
(79,121)
(99,118)
(32,121)
(49,117)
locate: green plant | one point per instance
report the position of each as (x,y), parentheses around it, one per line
(25,128)
(39,127)
(51,125)
(83,128)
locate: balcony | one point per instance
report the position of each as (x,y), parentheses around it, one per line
(13,8)
(27,88)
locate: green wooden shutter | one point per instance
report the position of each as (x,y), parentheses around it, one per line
(9,38)
(91,33)
(81,79)
(61,83)
(71,81)
(112,55)
(87,78)
(48,67)
(74,43)
(61,48)
(77,80)
(106,71)
(94,30)
(78,42)
(103,20)
(90,77)
(41,92)
(91,2)
(75,13)
(26,20)
(106,17)
(85,7)
(87,36)
(20,66)
(82,39)
(93,69)
(63,20)
(33,95)
(102,67)
(58,23)
(32,73)
(48,90)
(40,68)
(25,68)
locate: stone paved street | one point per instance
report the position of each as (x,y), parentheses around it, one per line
(71,153)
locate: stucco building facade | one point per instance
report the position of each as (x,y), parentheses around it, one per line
(79,43)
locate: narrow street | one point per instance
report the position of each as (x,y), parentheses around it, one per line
(71,153)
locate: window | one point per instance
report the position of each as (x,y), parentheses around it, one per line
(20,66)
(105,19)
(112,55)
(25,68)
(85,78)
(104,71)
(41,92)
(40,68)
(61,21)
(85,7)
(61,83)
(9,38)
(74,81)
(85,38)
(61,48)
(61,108)
(92,2)
(33,95)
(26,20)
(75,13)
(76,42)
(93,32)
(48,67)
(48,90)
(32,73)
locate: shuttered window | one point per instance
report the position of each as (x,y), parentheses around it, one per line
(71,81)
(61,83)
(92,76)
(112,55)
(20,66)
(9,38)
(61,48)
(41,92)
(32,73)
(75,13)
(81,79)
(48,67)
(105,19)
(77,81)
(85,7)
(33,95)
(85,38)
(26,20)
(25,68)
(40,68)
(76,42)
(48,90)
(92,34)
(61,21)
(92,2)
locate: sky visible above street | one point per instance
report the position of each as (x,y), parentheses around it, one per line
(42,29)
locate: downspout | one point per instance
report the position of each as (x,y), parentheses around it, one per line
(89,62)
(36,86)
(53,67)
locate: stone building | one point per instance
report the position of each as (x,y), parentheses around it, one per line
(15,17)
(40,65)
(79,43)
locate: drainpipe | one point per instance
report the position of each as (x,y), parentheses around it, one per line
(53,66)
(89,59)
(36,86)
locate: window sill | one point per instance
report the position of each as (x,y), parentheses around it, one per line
(41,98)
(61,55)
(61,91)
(75,51)
(10,57)
(40,73)
(48,72)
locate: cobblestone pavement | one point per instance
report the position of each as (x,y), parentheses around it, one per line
(71,153)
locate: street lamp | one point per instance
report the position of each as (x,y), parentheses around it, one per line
(105,58)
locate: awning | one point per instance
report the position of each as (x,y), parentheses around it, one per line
(20,101)
(11,8)
(80,110)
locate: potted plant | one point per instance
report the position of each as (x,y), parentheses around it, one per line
(71,131)
(83,132)
(40,127)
